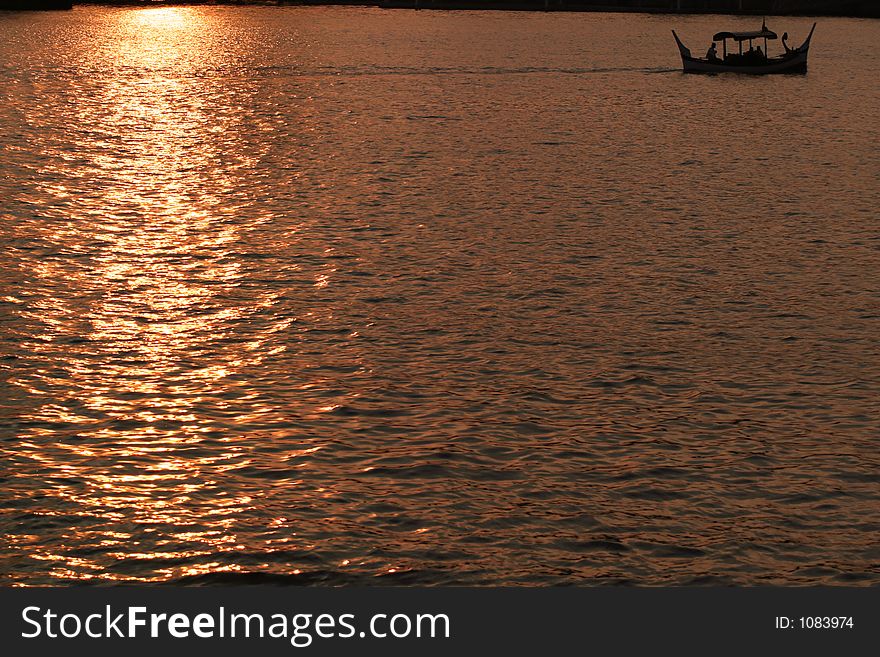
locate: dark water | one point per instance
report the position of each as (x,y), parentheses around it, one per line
(351,296)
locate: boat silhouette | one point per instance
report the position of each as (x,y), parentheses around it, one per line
(753,61)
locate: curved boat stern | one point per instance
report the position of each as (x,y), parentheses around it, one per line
(806,45)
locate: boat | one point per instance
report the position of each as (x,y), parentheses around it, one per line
(752,61)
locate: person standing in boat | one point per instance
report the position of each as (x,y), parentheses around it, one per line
(712,54)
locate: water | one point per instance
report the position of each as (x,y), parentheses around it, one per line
(341,295)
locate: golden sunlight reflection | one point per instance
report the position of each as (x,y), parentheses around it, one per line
(155,305)
(288,297)
(157,18)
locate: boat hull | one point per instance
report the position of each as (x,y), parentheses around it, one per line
(793,64)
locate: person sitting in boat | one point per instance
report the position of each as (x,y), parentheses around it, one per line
(759,54)
(712,54)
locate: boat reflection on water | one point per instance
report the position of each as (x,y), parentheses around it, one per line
(753,61)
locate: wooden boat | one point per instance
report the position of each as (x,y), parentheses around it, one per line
(752,61)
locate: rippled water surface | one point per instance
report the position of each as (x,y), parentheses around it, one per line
(358,296)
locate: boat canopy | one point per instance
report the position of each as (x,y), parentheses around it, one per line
(745,36)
